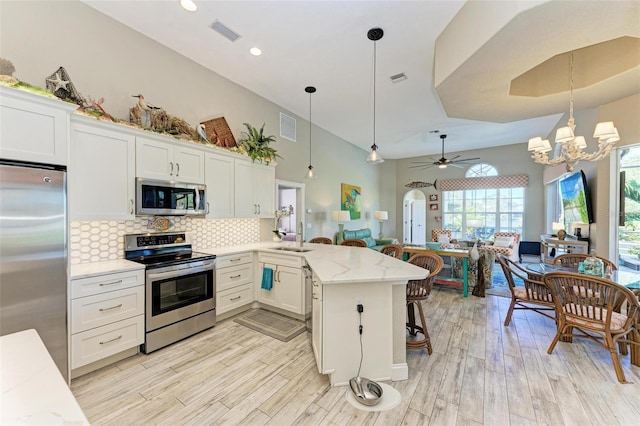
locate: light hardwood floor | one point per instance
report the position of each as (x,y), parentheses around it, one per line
(480,372)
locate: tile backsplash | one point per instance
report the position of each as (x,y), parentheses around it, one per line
(96,241)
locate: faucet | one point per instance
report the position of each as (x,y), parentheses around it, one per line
(299,237)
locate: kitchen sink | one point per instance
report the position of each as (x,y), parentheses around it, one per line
(295,249)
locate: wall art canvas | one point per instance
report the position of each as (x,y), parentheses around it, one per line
(350,199)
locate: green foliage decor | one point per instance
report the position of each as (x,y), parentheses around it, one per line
(256,144)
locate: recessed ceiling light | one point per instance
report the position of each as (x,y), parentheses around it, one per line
(188,5)
(255,51)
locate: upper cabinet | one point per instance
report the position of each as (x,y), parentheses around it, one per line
(33,127)
(254,190)
(161,160)
(101,171)
(220,181)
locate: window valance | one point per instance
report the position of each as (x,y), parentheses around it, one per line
(487,182)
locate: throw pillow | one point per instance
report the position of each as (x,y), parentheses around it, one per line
(503,242)
(443,238)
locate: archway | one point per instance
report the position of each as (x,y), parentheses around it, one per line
(414,216)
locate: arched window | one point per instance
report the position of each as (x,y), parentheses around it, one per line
(483,203)
(481,170)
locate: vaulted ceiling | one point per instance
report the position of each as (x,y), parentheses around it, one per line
(487,73)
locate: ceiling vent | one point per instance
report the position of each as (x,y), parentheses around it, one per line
(287,127)
(224,31)
(397,78)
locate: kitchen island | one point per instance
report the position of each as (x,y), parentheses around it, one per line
(344,277)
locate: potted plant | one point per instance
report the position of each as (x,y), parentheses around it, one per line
(256,144)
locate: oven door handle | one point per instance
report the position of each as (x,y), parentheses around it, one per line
(184,271)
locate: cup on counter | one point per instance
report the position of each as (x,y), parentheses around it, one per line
(581,267)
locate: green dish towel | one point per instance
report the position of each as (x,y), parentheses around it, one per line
(267,278)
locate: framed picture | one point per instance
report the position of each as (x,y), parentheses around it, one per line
(350,199)
(433,206)
(433,197)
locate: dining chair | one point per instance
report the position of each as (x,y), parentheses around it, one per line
(572,260)
(354,242)
(393,250)
(321,240)
(586,306)
(533,295)
(417,291)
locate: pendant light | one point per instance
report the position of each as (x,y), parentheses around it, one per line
(374,34)
(310,174)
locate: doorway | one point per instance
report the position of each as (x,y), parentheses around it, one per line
(414,216)
(290,199)
(628,226)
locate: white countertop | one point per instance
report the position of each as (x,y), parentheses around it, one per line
(333,264)
(33,390)
(84,270)
(339,264)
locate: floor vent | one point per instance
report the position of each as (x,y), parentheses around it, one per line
(287,127)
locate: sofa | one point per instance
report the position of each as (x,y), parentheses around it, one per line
(364,234)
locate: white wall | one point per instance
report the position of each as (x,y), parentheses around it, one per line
(106,59)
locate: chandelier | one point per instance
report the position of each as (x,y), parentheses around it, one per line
(572,146)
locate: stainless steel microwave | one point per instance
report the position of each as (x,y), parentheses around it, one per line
(168,198)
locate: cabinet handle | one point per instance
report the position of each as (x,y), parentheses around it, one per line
(208,207)
(235,260)
(234,298)
(111,283)
(130,206)
(112,340)
(171,172)
(108,309)
(279,276)
(236,276)
(177,169)
(255,209)
(258,208)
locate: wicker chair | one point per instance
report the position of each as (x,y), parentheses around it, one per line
(586,307)
(354,242)
(393,250)
(417,291)
(573,259)
(534,295)
(435,236)
(321,240)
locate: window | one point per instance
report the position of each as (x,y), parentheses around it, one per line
(480,212)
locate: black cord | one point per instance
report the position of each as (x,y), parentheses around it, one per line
(361,352)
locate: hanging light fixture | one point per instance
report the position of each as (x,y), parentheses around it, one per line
(310,174)
(572,146)
(374,34)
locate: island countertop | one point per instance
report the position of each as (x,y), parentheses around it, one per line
(335,264)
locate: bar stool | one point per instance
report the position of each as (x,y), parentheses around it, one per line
(321,240)
(417,291)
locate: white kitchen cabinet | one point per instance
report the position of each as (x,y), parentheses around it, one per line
(107,315)
(255,188)
(219,178)
(164,160)
(316,322)
(287,291)
(234,282)
(102,171)
(33,127)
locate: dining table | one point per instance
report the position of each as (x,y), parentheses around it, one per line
(629,279)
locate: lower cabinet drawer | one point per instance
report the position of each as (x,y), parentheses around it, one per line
(233,276)
(93,345)
(102,309)
(231,299)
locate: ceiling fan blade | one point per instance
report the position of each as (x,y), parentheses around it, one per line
(467,159)
(454,158)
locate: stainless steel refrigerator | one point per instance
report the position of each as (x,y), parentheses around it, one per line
(33,254)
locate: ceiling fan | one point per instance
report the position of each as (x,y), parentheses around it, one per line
(443,162)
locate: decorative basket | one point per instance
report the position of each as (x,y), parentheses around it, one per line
(219,133)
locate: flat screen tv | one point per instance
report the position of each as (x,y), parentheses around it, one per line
(576,203)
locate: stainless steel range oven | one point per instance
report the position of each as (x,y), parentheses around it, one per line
(180,287)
